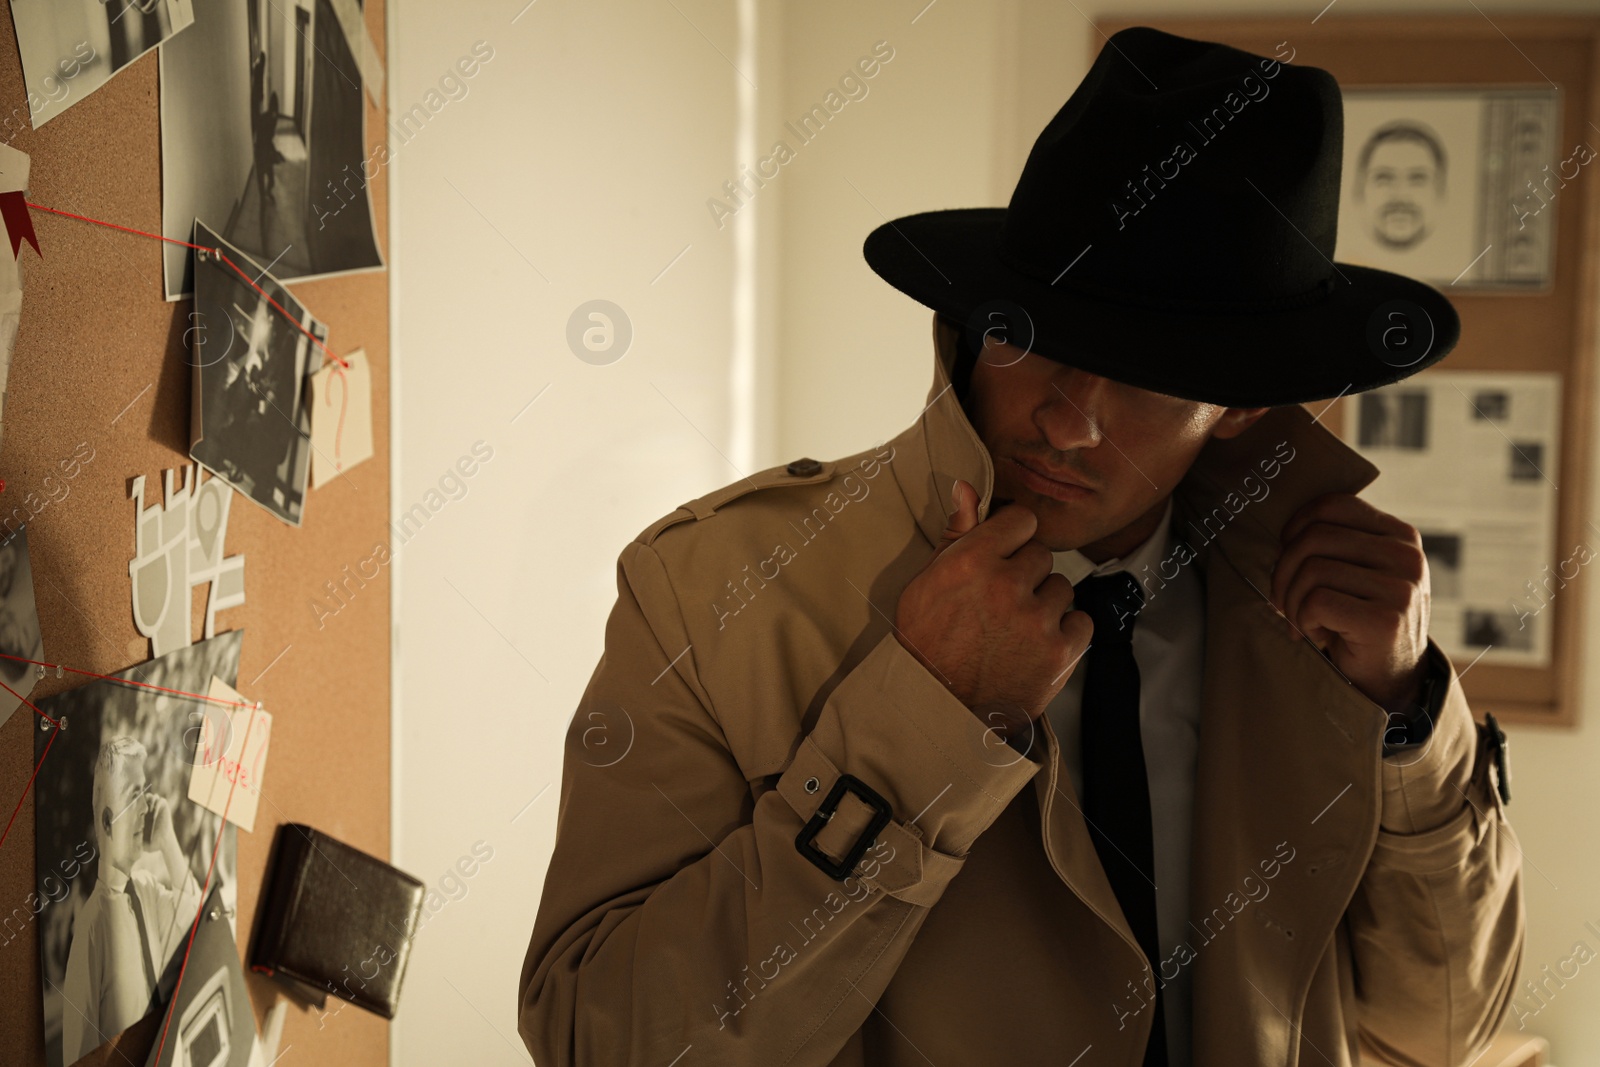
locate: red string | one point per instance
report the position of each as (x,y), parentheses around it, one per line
(53,735)
(29,787)
(124,681)
(326,350)
(214,251)
(28,702)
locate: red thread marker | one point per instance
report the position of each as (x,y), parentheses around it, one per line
(219,253)
(28,788)
(121,681)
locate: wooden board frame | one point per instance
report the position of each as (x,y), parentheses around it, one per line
(1553,330)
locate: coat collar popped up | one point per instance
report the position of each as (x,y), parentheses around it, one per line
(1283,734)
(948,447)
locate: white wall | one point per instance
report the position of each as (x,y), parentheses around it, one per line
(578,166)
(855,367)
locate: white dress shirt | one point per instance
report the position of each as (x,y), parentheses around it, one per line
(106,988)
(1168,646)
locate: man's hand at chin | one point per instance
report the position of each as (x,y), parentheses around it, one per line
(989,618)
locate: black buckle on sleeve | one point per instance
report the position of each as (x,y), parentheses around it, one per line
(881,814)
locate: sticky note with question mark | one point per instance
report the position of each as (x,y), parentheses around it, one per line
(230,754)
(341,417)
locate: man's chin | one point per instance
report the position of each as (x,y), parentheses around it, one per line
(1060,528)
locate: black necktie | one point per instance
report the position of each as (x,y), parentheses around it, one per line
(1116,791)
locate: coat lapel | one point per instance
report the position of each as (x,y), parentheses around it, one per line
(1286,787)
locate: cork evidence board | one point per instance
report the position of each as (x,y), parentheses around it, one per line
(1527,323)
(100,385)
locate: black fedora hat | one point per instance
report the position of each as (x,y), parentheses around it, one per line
(1174,229)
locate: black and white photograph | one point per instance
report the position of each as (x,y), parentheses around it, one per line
(1444,563)
(251,422)
(1488,628)
(263,135)
(1527,460)
(112,807)
(209,1020)
(70,48)
(20,636)
(1396,418)
(1453,186)
(1470,458)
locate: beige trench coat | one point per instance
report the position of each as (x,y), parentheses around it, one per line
(1336,900)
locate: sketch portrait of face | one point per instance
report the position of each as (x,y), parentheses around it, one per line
(1400,181)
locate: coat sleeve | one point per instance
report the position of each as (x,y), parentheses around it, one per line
(1437,922)
(677,911)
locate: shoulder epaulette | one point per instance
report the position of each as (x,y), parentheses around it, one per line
(803,471)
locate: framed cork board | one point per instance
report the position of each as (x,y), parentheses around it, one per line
(1468,144)
(101,372)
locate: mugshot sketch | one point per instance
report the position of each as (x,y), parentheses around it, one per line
(1455,186)
(1402,182)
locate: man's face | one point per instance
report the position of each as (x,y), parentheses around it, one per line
(1400,191)
(1042,420)
(125,843)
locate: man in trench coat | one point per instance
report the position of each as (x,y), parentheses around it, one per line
(790,834)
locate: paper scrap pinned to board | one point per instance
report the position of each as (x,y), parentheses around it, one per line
(178,545)
(341,417)
(230,756)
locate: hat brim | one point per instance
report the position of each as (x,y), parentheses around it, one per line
(1348,342)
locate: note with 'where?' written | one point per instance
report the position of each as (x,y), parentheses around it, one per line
(229,757)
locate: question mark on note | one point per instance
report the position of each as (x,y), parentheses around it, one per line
(344,403)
